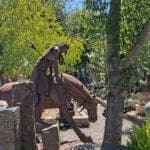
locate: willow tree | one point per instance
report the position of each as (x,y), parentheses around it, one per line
(119,63)
(27,28)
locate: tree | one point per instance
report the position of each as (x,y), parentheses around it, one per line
(126,49)
(118,67)
(27,28)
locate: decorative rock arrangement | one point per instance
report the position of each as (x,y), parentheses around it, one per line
(17,124)
(17,130)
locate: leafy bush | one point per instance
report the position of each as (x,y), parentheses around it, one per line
(140,137)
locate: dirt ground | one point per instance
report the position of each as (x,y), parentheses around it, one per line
(96,131)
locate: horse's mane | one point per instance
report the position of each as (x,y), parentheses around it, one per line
(76,87)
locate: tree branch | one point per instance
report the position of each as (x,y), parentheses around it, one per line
(144,35)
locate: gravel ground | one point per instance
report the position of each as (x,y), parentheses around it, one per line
(95,130)
(91,146)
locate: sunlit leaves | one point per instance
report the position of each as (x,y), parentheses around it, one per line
(27,28)
(87,25)
(97,5)
(134,15)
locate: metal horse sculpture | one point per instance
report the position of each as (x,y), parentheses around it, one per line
(60,96)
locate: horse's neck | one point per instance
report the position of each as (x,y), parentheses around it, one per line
(77,93)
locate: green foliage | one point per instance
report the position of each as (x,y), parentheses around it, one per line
(143,63)
(27,28)
(134,15)
(97,5)
(140,137)
(89,23)
(89,26)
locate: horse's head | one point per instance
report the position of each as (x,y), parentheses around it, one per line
(91,106)
(81,95)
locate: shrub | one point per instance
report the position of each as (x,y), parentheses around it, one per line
(140,137)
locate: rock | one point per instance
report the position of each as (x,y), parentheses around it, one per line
(10,129)
(130,103)
(140,109)
(147,110)
(50,137)
(50,115)
(3,104)
(22,95)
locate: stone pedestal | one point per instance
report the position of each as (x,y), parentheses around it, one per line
(22,95)
(50,137)
(10,129)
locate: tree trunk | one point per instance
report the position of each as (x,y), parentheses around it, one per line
(115,101)
(114,117)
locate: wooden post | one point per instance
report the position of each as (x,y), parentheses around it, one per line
(22,95)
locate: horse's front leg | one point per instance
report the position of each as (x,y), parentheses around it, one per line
(38,107)
(64,110)
(38,113)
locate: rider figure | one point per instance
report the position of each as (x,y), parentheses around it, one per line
(47,64)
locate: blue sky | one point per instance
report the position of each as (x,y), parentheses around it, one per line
(73,5)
